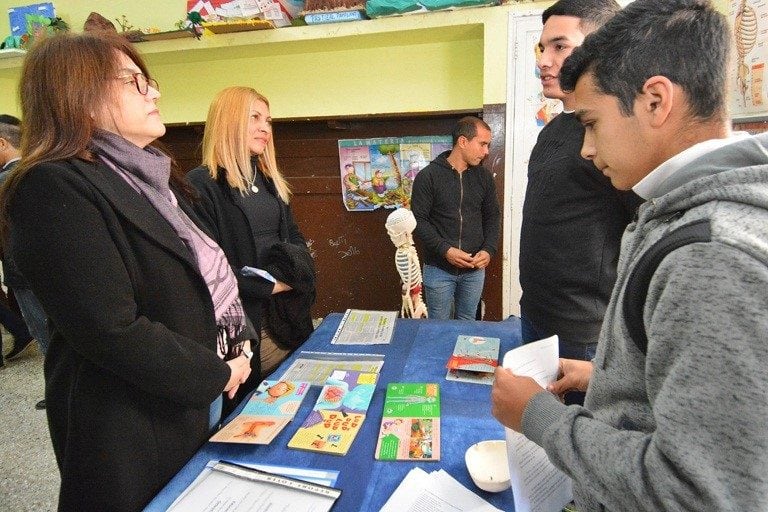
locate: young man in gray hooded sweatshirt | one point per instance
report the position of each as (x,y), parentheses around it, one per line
(682,424)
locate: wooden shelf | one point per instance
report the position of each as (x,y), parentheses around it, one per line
(423,28)
(10,53)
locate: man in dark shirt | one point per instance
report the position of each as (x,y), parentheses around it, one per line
(35,320)
(9,156)
(457,221)
(573,218)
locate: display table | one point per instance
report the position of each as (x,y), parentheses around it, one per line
(418,353)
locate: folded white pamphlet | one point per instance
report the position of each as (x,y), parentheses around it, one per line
(537,485)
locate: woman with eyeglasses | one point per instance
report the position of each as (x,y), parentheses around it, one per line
(244,200)
(144,310)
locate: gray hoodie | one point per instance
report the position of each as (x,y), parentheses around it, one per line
(685,427)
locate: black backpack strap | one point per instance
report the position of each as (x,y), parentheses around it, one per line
(639,279)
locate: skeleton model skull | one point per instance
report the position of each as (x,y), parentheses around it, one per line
(400,225)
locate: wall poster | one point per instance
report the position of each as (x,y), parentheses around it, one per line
(748,86)
(380,172)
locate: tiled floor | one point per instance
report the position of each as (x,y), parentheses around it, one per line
(29,479)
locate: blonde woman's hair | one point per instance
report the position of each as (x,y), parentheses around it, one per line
(225,142)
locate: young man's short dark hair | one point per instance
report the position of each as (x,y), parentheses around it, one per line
(467,127)
(11,133)
(9,119)
(592,13)
(652,37)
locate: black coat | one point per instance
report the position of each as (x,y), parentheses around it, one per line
(132,367)
(290,319)
(221,208)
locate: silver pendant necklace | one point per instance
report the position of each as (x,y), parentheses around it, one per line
(254,188)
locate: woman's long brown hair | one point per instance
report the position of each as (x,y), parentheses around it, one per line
(65,79)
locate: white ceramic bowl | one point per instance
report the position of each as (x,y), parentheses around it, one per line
(488,466)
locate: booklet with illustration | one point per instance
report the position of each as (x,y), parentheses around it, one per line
(474,359)
(537,485)
(410,423)
(338,413)
(271,407)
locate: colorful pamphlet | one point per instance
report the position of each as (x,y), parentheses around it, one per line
(474,359)
(271,407)
(410,424)
(338,414)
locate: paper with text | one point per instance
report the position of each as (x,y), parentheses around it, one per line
(537,485)
(434,492)
(364,327)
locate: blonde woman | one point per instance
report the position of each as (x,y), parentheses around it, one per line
(245,203)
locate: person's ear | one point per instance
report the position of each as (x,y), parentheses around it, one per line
(656,100)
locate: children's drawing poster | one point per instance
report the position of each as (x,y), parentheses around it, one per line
(380,172)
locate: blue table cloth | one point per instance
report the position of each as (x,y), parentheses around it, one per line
(418,353)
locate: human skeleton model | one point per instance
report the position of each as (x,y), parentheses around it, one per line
(400,224)
(745,32)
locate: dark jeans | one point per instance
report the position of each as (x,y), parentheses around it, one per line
(583,352)
(34,316)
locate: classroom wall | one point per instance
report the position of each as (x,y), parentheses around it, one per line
(432,62)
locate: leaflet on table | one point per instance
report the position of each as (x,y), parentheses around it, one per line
(474,359)
(338,413)
(316,367)
(434,492)
(410,423)
(360,327)
(257,272)
(537,485)
(227,486)
(271,407)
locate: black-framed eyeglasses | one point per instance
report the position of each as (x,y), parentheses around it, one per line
(141,82)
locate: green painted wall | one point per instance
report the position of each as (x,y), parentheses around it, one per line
(442,61)
(142,14)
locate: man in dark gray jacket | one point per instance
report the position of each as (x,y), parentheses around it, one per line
(679,424)
(457,220)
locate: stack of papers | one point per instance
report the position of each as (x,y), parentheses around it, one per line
(228,486)
(434,492)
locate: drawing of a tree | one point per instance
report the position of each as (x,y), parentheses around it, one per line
(391,150)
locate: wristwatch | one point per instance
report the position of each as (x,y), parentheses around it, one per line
(248,354)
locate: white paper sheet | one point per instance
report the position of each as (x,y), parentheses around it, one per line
(537,485)
(434,492)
